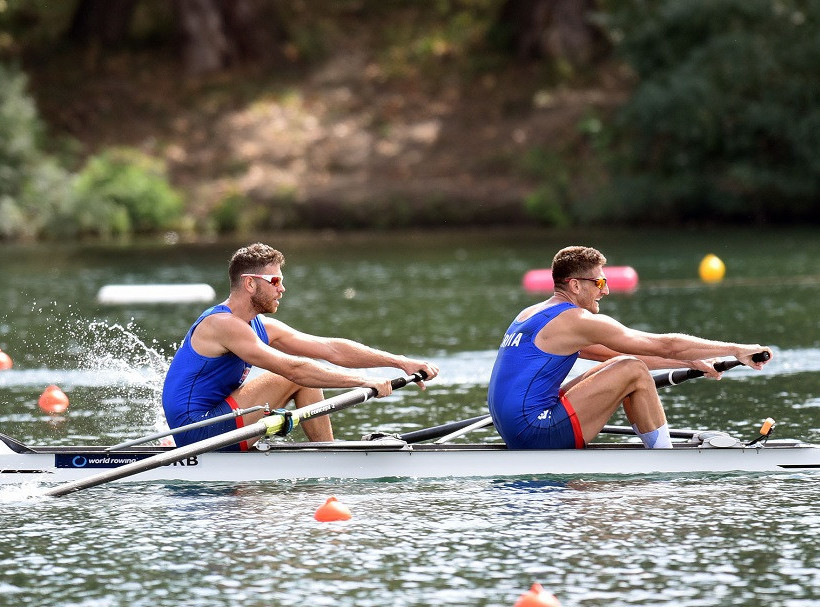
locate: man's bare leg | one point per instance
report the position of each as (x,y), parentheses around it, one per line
(596,394)
(277,391)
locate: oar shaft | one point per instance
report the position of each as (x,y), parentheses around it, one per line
(417,436)
(348,399)
(627,430)
(267,425)
(200,424)
(673,378)
(466,429)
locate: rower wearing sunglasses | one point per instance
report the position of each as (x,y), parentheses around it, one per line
(208,374)
(532,407)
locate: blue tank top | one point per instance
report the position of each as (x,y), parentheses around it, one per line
(196,384)
(526,380)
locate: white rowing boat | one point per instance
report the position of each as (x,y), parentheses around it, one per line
(394,458)
(390,456)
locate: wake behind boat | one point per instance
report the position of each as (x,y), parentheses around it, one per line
(391,457)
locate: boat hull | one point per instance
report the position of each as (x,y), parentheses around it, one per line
(358,460)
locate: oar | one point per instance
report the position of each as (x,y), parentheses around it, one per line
(267,426)
(466,429)
(204,422)
(662,380)
(673,378)
(418,436)
(627,430)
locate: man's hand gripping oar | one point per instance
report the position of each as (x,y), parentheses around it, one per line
(673,378)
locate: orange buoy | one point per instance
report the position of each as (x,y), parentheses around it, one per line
(767,427)
(537,597)
(618,278)
(332,510)
(53,400)
(5,361)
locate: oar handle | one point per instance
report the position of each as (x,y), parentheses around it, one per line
(275,423)
(664,380)
(400,382)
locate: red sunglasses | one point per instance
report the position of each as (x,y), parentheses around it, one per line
(271,278)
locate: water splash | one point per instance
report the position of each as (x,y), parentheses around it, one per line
(123,370)
(118,352)
(20,494)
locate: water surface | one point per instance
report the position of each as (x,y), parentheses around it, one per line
(660,540)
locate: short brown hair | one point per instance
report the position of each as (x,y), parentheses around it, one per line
(572,262)
(252,259)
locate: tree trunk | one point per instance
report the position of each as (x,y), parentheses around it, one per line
(105,22)
(205,47)
(255,27)
(221,33)
(554,29)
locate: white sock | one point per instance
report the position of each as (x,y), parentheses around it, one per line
(656,439)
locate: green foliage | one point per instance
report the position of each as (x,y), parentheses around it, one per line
(226,215)
(34,189)
(19,130)
(550,201)
(548,204)
(428,42)
(118,191)
(725,122)
(124,190)
(723,125)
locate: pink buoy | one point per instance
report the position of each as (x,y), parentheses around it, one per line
(618,279)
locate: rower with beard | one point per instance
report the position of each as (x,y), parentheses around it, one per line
(208,374)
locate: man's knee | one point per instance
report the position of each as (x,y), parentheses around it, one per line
(632,368)
(266,387)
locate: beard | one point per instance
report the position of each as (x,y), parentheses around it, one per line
(262,304)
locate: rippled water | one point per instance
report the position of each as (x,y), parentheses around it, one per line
(657,540)
(737,540)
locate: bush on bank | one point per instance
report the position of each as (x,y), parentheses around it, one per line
(32,185)
(129,189)
(117,192)
(724,124)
